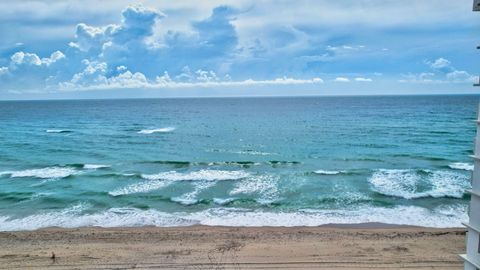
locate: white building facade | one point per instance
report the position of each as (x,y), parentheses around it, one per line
(472,257)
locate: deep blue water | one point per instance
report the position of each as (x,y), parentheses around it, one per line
(236,161)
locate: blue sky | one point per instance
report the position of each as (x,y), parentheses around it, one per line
(101,49)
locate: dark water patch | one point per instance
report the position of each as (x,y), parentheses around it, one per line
(465,196)
(420,157)
(401,155)
(174,163)
(116,175)
(433,158)
(55,201)
(74,165)
(14,197)
(140,206)
(460,141)
(441,132)
(364,159)
(141,196)
(94,193)
(372,145)
(243,164)
(276,163)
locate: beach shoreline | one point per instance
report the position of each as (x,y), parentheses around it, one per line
(332,246)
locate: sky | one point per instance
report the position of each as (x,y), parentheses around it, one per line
(135,49)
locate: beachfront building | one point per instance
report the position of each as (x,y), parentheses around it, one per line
(472,257)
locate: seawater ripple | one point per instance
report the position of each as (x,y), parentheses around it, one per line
(256,161)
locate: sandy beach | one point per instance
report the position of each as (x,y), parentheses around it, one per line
(369,246)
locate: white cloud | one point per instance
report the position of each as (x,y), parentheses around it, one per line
(440,63)
(361,79)
(461,76)
(206,76)
(94,73)
(128,80)
(341,79)
(3,70)
(23,58)
(443,72)
(424,77)
(246,38)
(93,78)
(137,24)
(456,76)
(20,58)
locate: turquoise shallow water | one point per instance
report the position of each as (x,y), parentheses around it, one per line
(236,161)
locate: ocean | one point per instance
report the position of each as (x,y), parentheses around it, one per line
(284,161)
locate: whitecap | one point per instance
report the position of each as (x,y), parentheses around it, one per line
(461,166)
(95,166)
(157,130)
(43,173)
(57,131)
(323,172)
(205,175)
(253,153)
(265,186)
(411,184)
(142,187)
(191,197)
(222,201)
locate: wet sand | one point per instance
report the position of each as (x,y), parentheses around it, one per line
(368,246)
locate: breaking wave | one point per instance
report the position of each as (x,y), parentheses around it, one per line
(95,166)
(412,184)
(42,173)
(264,186)
(141,187)
(190,198)
(157,130)
(161,180)
(323,172)
(58,131)
(77,216)
(461,166)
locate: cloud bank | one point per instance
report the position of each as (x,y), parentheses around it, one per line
(221,44)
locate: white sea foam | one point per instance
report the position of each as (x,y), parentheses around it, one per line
(43,173)
(142,187)
(95,166)
(411,184)
(73,218)
(57,131)
(202,175)
(222,201)
(191,197)
(323,172)
(157,130)
(253,153)
(442,217)
(461,166)
(76,216)
(265,186)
